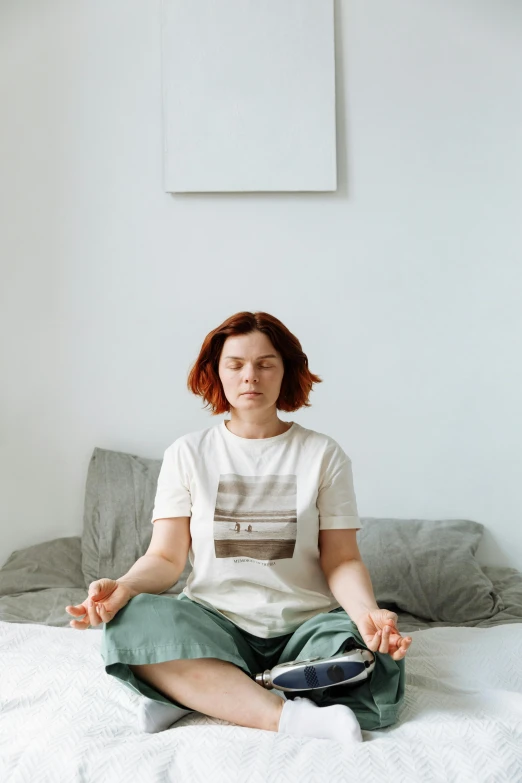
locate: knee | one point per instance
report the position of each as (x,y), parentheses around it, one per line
(138,669)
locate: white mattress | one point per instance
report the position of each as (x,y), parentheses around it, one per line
(62,718)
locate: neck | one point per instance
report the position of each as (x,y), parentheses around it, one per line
(255,430)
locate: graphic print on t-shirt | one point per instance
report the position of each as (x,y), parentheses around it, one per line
(256,516)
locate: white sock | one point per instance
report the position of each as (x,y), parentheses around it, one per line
(303,718)
(153,716)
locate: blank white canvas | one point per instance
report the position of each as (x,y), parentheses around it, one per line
(248,95)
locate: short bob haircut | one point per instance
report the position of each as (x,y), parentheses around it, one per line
(204,380)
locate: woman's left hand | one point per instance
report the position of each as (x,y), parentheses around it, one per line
(380,634)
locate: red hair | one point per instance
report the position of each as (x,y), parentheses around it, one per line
(204,380)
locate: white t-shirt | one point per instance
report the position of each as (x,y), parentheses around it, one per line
(256,507)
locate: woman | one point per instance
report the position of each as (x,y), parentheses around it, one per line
(267,512)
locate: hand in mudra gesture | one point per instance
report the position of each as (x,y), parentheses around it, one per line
(105,599)
(380,634)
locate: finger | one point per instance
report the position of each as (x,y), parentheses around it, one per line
(374,642)
(385,639)
(101,612)
(395,637)
(403,649)
(78,625)
(93,615)
(78,613)
(82,623)
(399,654)
(75,609)
(396,640)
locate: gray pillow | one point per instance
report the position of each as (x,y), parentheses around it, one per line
(119,500)
(51,564)
(428,568)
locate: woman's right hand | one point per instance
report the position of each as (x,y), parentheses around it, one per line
(105,599)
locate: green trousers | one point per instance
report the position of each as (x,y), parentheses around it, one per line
(155,628)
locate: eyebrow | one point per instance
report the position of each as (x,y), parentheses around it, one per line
(265,356)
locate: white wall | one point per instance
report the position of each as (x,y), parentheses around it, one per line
(403,287)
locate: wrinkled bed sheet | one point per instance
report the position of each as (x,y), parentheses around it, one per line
(62,718)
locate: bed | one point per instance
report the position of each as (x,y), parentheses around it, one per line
(62,718)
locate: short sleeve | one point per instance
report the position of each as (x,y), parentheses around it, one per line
(172,492)
(336,499)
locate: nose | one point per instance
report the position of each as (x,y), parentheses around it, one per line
(249,377)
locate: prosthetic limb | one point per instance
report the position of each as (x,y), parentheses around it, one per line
(348,667)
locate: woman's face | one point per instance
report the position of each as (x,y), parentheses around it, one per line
(250,361)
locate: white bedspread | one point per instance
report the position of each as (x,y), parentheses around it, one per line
(63,719)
